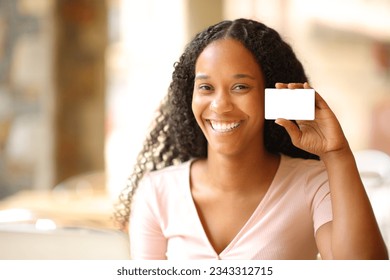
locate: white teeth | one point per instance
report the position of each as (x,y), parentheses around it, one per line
(223,126)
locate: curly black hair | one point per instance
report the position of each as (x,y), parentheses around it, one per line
(175,136)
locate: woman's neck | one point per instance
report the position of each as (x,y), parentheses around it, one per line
(233,173)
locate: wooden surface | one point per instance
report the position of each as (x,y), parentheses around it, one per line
(65,208)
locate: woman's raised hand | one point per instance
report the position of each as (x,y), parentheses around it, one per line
(320,136)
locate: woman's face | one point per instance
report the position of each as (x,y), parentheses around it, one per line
(228,97)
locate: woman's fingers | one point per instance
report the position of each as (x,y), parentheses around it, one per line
(292,85)
(280,85)
(292,129)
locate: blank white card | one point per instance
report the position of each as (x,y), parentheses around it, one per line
(291,104)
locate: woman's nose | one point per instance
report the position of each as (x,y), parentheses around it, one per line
(221,103)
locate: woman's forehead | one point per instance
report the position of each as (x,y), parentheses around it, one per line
(227,54)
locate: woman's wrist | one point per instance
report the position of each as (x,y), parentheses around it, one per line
(343,154)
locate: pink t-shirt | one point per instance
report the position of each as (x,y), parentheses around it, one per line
(164,223)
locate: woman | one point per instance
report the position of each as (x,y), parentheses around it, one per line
(227,184)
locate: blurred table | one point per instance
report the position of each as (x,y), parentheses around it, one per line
(65,208)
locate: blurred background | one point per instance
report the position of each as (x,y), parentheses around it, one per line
(80,80)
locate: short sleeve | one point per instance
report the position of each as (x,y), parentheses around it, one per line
(318,195)
(146,238)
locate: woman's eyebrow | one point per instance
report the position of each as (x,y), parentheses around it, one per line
(236,76)
(201,77)
(243,76)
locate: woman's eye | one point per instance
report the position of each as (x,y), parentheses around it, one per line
(240,87)
(204,87)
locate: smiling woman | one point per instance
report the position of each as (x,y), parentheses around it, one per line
(215,180)
(228,101)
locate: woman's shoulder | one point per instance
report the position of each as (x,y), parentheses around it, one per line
(307,171)
(300,163)
(172,170)
(307,175)
(168,177)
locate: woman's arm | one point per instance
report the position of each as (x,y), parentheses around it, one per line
(354,232)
